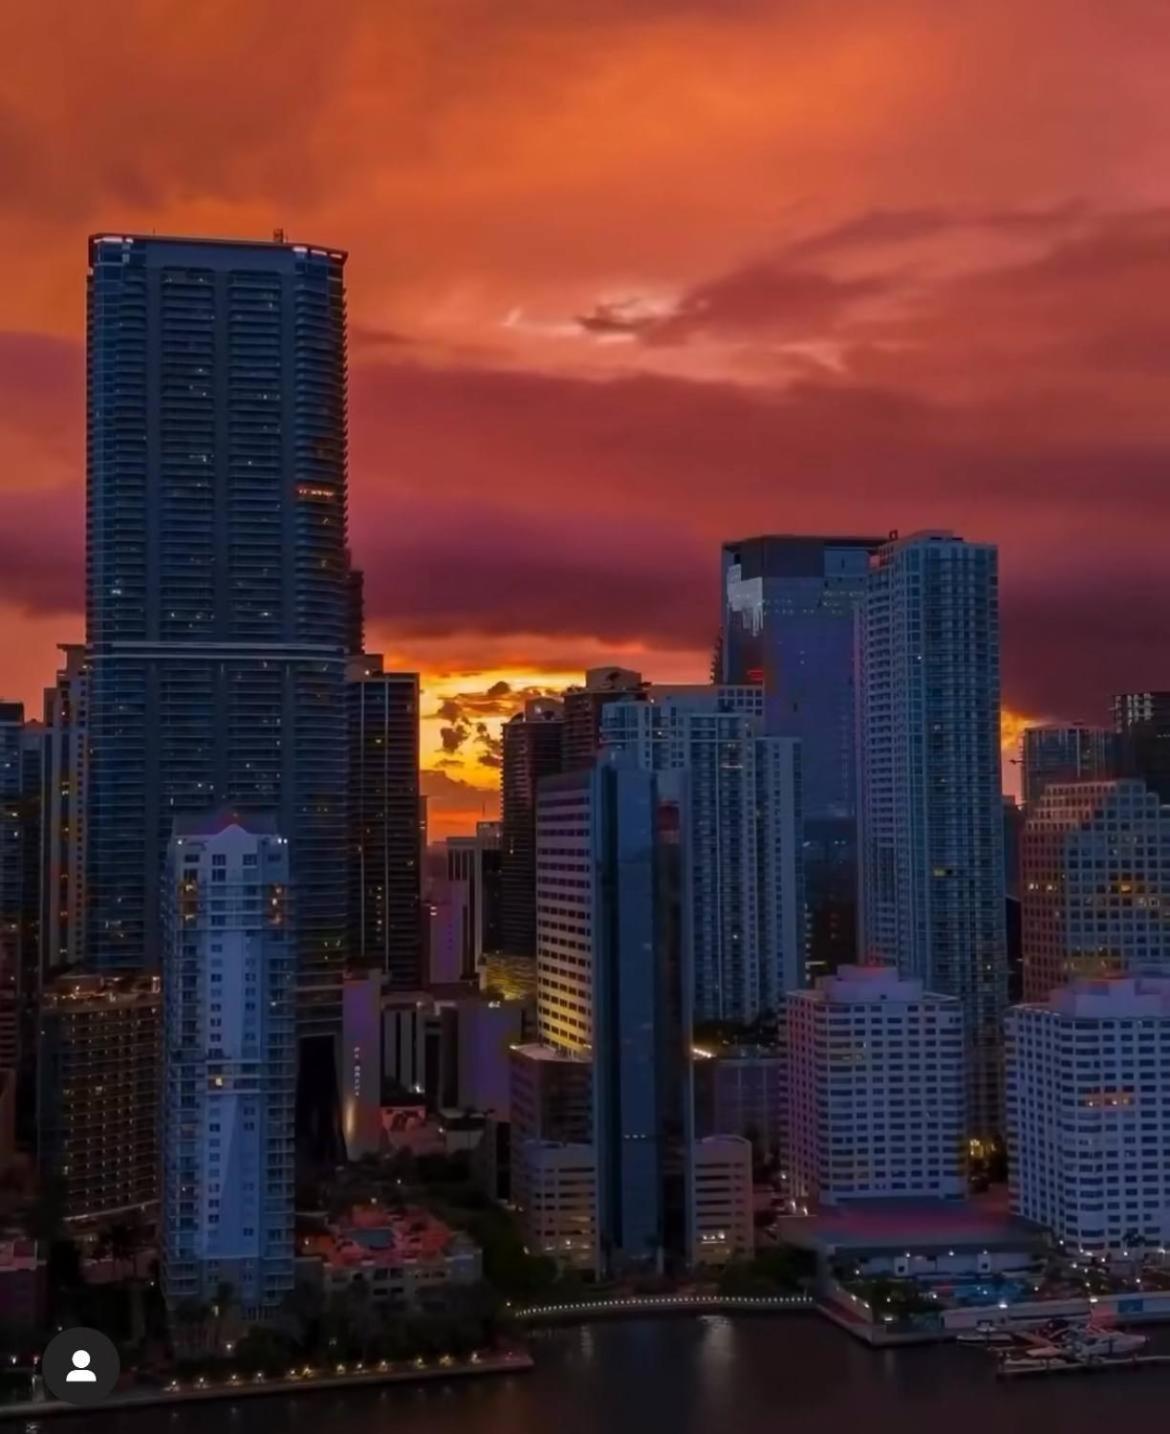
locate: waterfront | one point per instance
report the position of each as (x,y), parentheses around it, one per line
(754,1375)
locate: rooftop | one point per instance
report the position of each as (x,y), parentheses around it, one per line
(911,1225)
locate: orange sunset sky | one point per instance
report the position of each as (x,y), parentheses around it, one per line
(861,265)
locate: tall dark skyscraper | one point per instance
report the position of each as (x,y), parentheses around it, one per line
(789,607)
(1143,725)
(385,905)
(217,603)
(533,749)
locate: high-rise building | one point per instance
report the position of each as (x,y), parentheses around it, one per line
(63,815)
(385,899)
(21,753)
(583,707)
(473,872)
(789,612)
(229,1063)
(1066,754)
(1143,726)
(1096,888)
(533,748)
(98,1094)
(218,586)
(932,806)
(1088,1113)
(876,1079)
(742,818)
(614,983)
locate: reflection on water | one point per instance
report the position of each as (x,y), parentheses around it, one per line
(789,1374)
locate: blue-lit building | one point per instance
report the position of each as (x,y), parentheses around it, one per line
(745,889)
(614,982)
(789,612)
(933,901)
(219,602)
(229,1064)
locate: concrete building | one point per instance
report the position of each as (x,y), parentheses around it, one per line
(876,1081)
(790,603)
(1088,1103)
(722,1211)
(741,815)
(98,1094)
(553,1160)
(743,1090)
(1095,859)
(932,807)
(533,748)
(1066,754)
(473,880)
(229,1062)
(583,707)
(385,900)
(21,792)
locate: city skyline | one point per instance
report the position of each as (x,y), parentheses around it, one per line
(884,310)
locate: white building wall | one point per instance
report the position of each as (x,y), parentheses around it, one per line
(1088,1105)
(876,1076)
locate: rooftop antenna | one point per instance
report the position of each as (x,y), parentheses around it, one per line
(278,236)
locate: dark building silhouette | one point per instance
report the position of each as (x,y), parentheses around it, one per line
(385,901)
(789,607)
(217,608)
(1143,725)
(533,748)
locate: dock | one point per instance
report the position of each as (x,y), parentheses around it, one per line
(1056,1364)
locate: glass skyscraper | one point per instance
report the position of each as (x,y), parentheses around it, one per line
(218,590)
(789,610)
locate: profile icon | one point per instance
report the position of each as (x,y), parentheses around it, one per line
(80,1366)
(81,1372)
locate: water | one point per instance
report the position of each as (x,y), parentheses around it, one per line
(794,1374)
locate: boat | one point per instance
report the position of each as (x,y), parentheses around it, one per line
(987,1335)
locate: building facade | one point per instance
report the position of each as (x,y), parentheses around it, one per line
(217,591)
(932,807)
(473,875)
(99,1054)
(1095,859)
(1088,1102)
(553,1159)
(385,878)
(21,754)
(877,1090)
(1143,727)
(722,1210)
(743,1090)
(229,1064)
(583,707)
(1066,754)
(790,605)
(63,815)
(742,818)
(533,748)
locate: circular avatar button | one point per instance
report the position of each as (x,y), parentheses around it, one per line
(80,1366)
